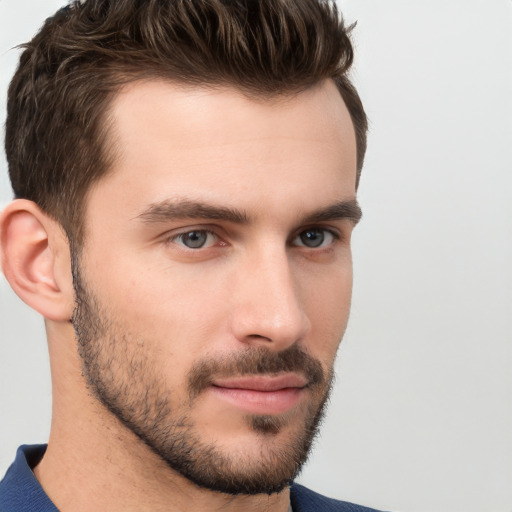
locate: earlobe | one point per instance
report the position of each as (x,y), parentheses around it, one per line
(35,259)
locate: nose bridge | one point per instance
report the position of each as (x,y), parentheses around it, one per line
(268,309)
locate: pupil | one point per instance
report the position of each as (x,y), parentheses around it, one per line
(312,238)
(194,239)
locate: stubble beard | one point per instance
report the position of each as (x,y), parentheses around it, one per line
(121,376)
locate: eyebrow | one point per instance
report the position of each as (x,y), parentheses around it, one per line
(188,209)
(170,210)
(348,209)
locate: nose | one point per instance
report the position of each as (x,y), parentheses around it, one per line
(267,310)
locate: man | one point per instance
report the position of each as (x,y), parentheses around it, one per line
(185,176)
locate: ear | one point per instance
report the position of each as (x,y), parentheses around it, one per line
(36,259)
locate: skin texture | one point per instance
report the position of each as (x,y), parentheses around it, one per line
(154,314)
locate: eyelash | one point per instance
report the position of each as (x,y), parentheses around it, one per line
(176,237)
(336,236)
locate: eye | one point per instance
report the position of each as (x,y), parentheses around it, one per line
(314,238)
(195,239)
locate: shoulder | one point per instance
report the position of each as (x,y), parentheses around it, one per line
(305,500)
(19,489)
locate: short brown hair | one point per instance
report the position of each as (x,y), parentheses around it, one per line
(56,126)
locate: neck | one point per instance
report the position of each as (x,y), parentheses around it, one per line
(83,476)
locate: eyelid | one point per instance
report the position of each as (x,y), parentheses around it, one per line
(336,234)
(172,237)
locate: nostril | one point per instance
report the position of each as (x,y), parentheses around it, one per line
(259,337)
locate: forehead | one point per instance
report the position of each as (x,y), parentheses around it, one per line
(218,115)
(220,145)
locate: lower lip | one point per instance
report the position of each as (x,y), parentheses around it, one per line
(260,402)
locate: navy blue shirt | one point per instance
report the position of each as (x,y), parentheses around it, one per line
(21,492)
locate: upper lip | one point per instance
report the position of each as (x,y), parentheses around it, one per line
(262,382)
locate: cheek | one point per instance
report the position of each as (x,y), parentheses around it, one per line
(172,313)
(327,303)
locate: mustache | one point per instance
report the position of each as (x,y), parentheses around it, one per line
(256,361)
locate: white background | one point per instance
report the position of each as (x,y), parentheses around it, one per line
(421,416)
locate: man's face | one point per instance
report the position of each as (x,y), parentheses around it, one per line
(214,284)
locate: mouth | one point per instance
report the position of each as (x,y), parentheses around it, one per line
(261,394)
